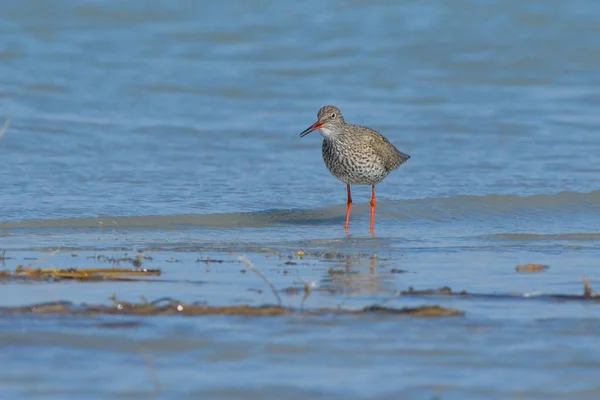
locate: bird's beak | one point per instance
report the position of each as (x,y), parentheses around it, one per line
(311,128)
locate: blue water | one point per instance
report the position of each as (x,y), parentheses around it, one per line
(172,128)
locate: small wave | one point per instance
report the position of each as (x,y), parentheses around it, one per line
(464,208)
(521,237)
(505,206)
(225,220)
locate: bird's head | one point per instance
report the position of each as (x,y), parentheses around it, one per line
(328,118)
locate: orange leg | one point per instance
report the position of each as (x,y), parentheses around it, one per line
(373,206)
(349,207)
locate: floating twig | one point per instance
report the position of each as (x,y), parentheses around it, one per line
(40,260)
(250,265)
(4,127)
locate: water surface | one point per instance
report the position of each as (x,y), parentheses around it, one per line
(172,128)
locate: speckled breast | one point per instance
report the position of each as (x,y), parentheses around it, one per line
(353,165)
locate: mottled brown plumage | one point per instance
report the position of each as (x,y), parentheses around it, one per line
(355,154)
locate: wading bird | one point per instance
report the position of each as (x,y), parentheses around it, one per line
(355,154)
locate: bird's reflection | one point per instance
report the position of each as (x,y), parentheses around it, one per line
(356,275)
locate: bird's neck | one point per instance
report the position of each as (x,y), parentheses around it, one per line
(333,133)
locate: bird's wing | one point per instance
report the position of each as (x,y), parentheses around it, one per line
(391,157)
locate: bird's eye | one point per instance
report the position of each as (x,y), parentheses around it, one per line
(333,115)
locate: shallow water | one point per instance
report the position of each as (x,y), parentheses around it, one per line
(173,129)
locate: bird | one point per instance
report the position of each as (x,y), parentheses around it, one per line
(355,154)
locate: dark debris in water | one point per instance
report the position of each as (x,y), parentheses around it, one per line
(341,271)
(80,274)
(422,311)
(118,325)
(588,294)
(444,291)
(397,271)
(531,268)
(135,261)
(209,260)
(168,306)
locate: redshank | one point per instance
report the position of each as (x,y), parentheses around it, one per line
(355,154)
